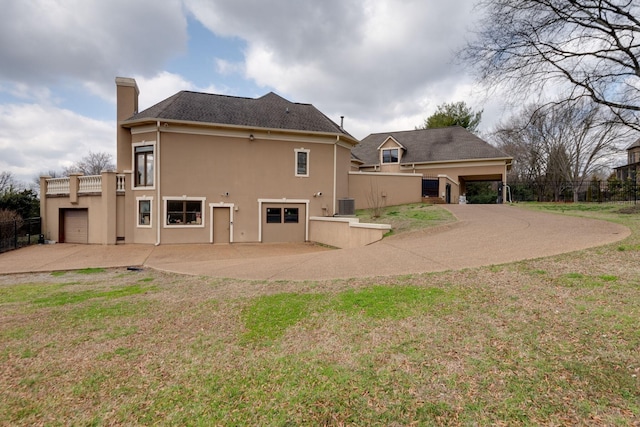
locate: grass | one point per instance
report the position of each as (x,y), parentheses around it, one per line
(407,218)
(551,341)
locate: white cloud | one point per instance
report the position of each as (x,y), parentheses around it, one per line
(49,42)
(37,138)
(384,65)
(163,85)
(227,67)
(380,63)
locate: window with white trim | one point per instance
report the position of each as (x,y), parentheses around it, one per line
(302,162)
(291,215)
(143,164)
(184,211)
(274,215)
(390,155)
(144,207)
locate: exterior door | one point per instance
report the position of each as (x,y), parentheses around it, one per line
(221,225)
(75,226)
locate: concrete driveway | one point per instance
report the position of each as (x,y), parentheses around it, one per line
(483,235)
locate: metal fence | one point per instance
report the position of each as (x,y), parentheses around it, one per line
(19,233)
(587,192)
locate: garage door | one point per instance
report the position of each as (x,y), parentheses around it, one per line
(76,226)
(283,222)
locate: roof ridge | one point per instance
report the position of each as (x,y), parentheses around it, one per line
(420,129)
(196,92)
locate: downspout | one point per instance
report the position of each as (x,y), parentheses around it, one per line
(158,192)
(335,171)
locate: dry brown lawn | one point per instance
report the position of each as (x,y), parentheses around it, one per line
(551,341)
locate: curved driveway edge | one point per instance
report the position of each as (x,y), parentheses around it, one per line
(483,235)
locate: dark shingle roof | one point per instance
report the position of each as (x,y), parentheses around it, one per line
(430,145)
(269,111)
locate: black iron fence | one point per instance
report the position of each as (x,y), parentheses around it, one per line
(18,233)
(594,191)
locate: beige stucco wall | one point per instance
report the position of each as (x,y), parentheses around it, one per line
(229,168)
(457,172)
(96,216)
(443,180)
(345,232)
(383,188)
(102,208)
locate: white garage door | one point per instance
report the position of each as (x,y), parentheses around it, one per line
(76,226)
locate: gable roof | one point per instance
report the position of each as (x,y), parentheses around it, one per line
(634,145)
(430,145)
(394,141)
(270,111)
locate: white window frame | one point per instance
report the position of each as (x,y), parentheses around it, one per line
(231,207)
(133,165)
(202,200)
(284,201)
(389,149)
(150,200)
(301,150)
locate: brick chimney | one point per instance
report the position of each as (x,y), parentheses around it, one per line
(127,105)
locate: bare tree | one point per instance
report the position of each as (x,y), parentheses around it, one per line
(522,137)
(8,182)
(92,164)
(562,145)
(375,199)
(590,48)
(7,215)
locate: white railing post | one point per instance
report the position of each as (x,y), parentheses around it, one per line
(120,182)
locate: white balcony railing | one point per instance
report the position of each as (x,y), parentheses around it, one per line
(120,183)
(90,184)
(86,184)
(58,186)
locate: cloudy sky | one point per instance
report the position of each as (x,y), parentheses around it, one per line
(385,65)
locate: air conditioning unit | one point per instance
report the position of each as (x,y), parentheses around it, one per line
(346,207)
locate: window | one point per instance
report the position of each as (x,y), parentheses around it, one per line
(290,215)
(302,162)
(274,215)
(144,212)
(184,212)
(390,155)
(143,167)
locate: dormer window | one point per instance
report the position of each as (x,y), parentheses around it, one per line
(390,155)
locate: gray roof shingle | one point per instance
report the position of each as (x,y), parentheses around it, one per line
(270,111)
(430,145)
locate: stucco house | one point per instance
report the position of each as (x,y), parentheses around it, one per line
(204,168)
(444,159)
(629,172)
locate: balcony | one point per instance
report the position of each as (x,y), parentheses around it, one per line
(86,185)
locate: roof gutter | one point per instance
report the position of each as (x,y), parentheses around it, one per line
(341,136)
